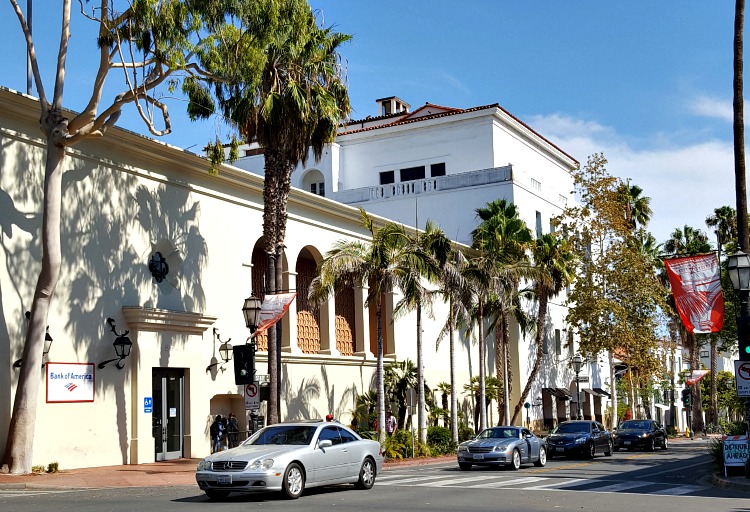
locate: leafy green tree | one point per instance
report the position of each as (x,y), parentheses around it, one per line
(492,390)
(551,255)
(155,47)
(294,110)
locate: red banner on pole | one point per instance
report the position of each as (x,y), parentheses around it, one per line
(696,286)
(272,309)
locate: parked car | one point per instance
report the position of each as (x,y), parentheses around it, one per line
(289,457)
(502,446)
(645,434)
(582,438)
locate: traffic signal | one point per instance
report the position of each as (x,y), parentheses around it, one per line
(244,364)
(686,397)
(743,337)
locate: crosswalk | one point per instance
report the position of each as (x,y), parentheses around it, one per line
(25,493)
(494,481)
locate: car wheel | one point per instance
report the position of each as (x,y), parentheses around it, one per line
(608,453)
(591,451)
(366,474)
(665,443)
(651,446)
(464,466)
(294,481)
(542,457)
(216,495)
(515,460)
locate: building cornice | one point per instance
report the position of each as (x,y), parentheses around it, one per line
(164,320)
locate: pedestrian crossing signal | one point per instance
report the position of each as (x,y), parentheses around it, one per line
(244,364)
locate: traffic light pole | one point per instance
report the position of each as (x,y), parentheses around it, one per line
(743,338)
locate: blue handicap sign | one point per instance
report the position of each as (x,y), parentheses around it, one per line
(148,404)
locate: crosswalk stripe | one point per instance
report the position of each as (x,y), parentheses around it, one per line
(453,481)
(413,479)
(561,483)
(507,483)
(622,486)
(677,491)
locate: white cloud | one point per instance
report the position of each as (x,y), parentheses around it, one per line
(685,183)
(707,106)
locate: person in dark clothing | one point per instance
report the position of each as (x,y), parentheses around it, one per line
(233,428)
(217,433)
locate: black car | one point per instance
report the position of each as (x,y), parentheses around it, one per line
(579,438)
(645,434)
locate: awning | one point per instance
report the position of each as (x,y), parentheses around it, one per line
(602,392)
(662,407)
(592,392)
(561,393)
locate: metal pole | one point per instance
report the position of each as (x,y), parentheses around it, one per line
(744,332)
(578,398)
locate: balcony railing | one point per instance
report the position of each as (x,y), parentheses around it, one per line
(426,186)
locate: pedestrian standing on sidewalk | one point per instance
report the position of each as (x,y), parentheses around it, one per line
(217,433)
(234,429)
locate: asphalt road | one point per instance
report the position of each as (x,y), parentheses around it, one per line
(672,480)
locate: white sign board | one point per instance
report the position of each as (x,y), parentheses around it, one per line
(735,451)
(70,382)
(742,377)
(252,397)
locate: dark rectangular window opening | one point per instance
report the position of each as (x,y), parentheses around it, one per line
(387,177)
(412,173)
(437,170)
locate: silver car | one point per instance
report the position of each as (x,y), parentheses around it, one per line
(502,446)
(288,457)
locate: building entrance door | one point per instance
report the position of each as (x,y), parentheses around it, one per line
(167,418)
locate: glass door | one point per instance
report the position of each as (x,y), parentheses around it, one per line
(168,409)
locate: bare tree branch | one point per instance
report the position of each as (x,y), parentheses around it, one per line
(61,57)
(32,56)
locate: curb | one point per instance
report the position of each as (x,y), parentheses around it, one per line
(740,483)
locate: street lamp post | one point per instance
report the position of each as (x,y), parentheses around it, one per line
(577,365)
(738,267)
(251,311)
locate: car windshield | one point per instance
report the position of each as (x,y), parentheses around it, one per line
(499,433)
(283,434)
(640,425)
(572,427)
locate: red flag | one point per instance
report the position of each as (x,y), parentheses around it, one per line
(272,309)
(697,292)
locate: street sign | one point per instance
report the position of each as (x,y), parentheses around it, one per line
(735,451)
(742,377)
(148,405)
(252,397)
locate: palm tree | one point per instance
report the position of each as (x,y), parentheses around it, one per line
(552,255)
(398,378)
(385,263)
(724,220)
(637,207)
(504,236)
(296,108)
(433,249)
(490,392)
(689,241)
(738,126)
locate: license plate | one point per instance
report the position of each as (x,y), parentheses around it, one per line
(626,443)
(560,449)
(224,479)
(478,456)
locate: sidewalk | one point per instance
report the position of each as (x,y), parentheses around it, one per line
(174,472)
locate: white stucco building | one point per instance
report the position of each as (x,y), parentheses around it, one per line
(443,163)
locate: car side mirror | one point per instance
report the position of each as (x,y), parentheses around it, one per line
(325,443)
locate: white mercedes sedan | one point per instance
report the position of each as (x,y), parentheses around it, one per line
(289,457)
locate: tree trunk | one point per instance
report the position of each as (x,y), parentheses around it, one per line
(454,394)
(272,407)
(20,442)
(697,408)
(738,125)
(279,287)
(541,317)
(421,413)
(713,397)
(614,418)
(380,376)
(500,372)
(482,395)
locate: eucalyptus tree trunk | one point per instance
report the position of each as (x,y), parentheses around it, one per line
(541,316)
(20,441)
(454,395)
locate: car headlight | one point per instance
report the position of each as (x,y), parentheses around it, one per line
(500,448)
(644,434)
(580,440)
(462,448)
(261,464)
(204,465)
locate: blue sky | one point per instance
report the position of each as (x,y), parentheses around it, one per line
(647,83)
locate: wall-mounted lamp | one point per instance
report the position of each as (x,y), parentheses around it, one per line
(47,345)
(158,267)
(225,352)
(122,346)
